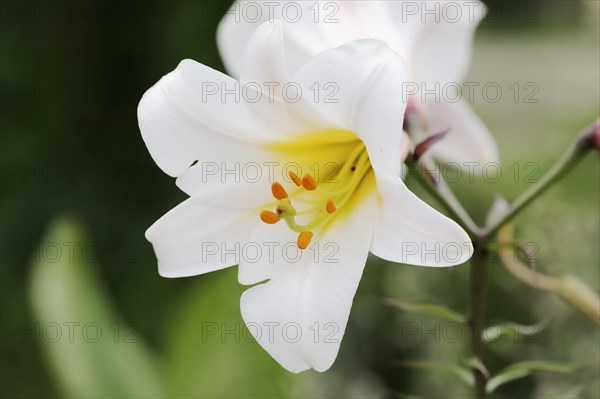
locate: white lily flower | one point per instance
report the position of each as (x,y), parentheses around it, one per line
(434,38)
(350,199)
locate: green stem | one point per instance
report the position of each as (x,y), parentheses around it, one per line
(476,320)
(442,192)
(472,228)
(444,195)
(570,159)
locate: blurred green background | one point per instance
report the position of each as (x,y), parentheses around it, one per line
(77,176)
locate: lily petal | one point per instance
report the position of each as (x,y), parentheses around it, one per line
(410,231)
(443,38)
(365,79)
(437,49)
(442,52)
(178,114)
(264,58)
(299,316)
(195,239)
(304,39)
(263,67)
(183,126)
(468,140)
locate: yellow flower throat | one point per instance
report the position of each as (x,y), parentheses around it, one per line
(325,200)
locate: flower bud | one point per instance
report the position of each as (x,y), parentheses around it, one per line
(592,137)
(497,211)
(595,133)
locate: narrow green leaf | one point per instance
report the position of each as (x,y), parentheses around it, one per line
(513,330)
(571,288)
(426,308)
(580,295)
(461,373)
(524,369)
(90,351)
(476,363)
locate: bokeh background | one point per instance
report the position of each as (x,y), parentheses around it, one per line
(79,189)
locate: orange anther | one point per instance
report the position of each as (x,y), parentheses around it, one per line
(295,178)
(309,183)
(278,191)
(330,207)
(304,239)
(269,217)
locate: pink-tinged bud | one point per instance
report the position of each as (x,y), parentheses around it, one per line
(595,135)
(591,138)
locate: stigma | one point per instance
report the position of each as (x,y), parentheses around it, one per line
(323,200)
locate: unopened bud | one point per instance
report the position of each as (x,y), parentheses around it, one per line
(594,135)
(498,210)
(591,137)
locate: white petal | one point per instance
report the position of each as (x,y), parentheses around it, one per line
(304,38)
(311,294)
(264,60)
(442,52)
(404,146)
(468,142)
(425,40)
(233,33)
(410,231)
(195,239)
(401,25)
(178,115)
(365,79)
(181,125)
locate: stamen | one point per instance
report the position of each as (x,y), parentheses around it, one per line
(304,239)
(323,200)
(269,217)
(330,207)
(297,181)
(309,183)
(278,191)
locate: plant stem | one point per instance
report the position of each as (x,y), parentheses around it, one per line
(440,190)
(570,159)
(477,279)
(481,236)
(472,228)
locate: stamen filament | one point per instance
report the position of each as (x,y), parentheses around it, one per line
(352,173)
(363,162)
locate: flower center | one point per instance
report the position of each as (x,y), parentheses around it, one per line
(321,200)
